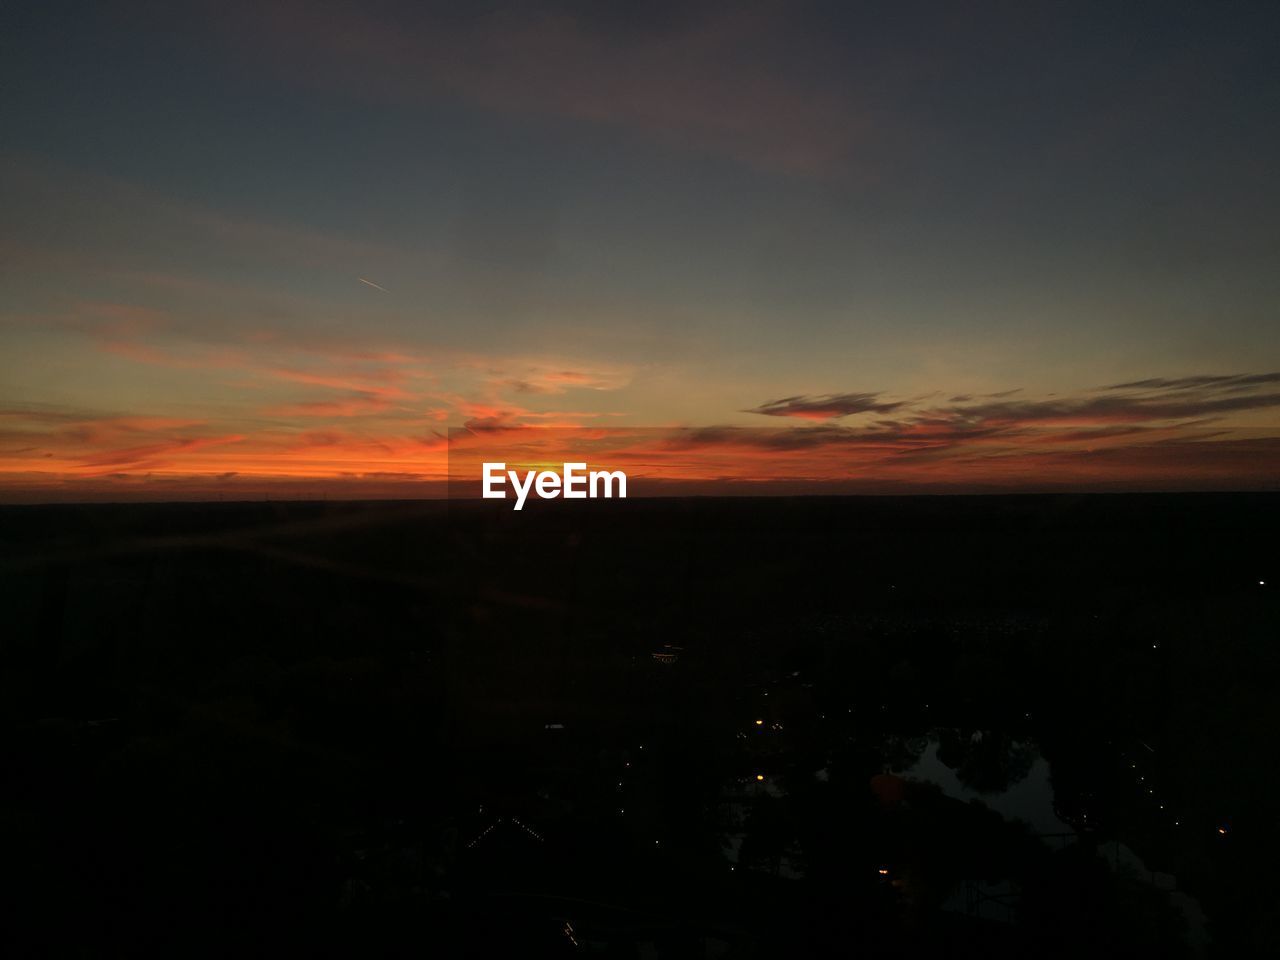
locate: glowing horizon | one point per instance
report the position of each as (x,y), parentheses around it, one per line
(768,233)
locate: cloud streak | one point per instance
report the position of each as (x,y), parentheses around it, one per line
(829,407)
(711,80)
(1136,402)
(376,418)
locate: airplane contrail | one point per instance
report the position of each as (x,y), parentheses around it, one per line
(374,285)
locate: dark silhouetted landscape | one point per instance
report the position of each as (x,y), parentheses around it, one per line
(882,727)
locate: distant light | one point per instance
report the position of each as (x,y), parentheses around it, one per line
(1262,583)
(759,723)
(759,776)
(883,871)
(1223,831)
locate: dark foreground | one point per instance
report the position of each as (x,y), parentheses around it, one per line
(669,728)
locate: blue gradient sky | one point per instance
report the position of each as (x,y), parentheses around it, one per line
(657,214)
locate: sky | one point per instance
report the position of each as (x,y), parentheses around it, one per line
(270,248)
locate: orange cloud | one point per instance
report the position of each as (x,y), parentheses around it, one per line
(354,405)
(1145,435)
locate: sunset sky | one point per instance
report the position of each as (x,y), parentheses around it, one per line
(284,247)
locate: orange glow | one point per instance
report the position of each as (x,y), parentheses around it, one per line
(375,430)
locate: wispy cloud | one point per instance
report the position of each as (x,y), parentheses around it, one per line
(378,416)
(827,407)
(1236,381)
(1140,401)
(712,80)
(540,379)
